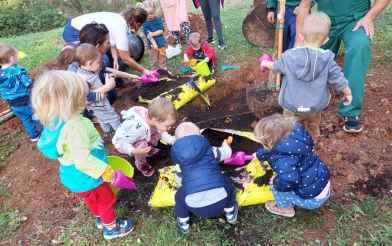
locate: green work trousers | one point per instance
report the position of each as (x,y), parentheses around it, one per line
(356,61)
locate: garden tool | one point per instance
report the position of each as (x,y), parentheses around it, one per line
(161,51)
(156,73)
(265,57)
(186,69)
(149,79)
(238,158)
(122,181)
(224,68)
(194,86)
(192,62)
(166,79)
(229,140)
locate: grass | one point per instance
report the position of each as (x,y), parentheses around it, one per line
(10,220)
(354,222)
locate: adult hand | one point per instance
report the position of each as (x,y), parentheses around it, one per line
(115,65)
(133,77)
(147,72)
(296,10)
(348,98)
(139,151)
(367,24)
(271,17)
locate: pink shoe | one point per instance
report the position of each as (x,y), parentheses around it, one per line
(149,79)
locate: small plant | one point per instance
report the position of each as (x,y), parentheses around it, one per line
(9,222)
(4,191)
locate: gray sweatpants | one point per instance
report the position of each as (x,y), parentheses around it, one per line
(107,117)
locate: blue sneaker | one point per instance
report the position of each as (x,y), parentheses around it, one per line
(185,227)
(231,217)
(352,124)
(121,229)
(35,136)
(99,223)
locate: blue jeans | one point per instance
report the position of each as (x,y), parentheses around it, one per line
(285,199)
(289,31)
(25,113)
(70,33)
(182,209)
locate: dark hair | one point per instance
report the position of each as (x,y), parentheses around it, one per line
(61,62)
(86,52)
(93,34)
(133,16)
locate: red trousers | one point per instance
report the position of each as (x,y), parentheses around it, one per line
(100,201)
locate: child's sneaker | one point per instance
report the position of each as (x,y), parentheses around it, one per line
(211,40)
(109,133)
(231,216)
(35,136)
(145,169)
(222,45)
(184,226)
(99,222)
(121,229)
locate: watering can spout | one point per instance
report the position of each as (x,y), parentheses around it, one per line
(122,181)
(238,158)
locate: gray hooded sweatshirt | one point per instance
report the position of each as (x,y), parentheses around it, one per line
(307,74)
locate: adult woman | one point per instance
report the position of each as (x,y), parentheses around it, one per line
(119,27)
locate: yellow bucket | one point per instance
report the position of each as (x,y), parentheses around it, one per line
(202,68)
(118,163)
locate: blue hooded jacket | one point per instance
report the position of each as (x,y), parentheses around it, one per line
(199,168)
(297,167)
(14,83)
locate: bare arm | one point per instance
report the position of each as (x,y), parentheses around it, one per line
(303,11)
(114,51)
(125,56)
(123,75)
(367,21)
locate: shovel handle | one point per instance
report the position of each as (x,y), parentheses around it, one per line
(229,140)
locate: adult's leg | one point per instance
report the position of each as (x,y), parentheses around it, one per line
(176,36)
(356,64)
(289,29)
(186,30)
(205,8)
(215,14)
(70,33)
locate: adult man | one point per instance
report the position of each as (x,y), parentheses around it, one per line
(352,23)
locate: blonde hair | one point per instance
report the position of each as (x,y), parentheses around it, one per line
(316,27)
(160,108)
(6,52)
(154,5)
(58,96)
(195,39)
(87,52)
(186,129)
(272,129)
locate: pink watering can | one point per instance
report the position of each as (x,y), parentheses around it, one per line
(151,79)
(122,181)
(238,158)
(265,57)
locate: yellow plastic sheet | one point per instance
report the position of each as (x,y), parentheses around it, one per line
(186,93)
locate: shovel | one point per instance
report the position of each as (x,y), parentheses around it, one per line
(122,181)
(224,68)
(238,158)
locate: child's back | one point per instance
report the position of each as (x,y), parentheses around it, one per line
(307,74)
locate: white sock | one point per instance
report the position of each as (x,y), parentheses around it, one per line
(227,210)
(183,219)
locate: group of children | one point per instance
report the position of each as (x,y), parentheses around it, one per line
(301,179)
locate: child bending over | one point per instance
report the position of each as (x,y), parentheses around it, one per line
(308,71)
(200,49)
(98,105)
(205,191)
(15,89)
(142,129)
(302,178)
(73,140)
(153,30)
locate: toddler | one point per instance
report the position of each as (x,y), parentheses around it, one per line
(153,30)
(200,50)
(73,140)
(15,89)
(302,178)
(308,71)
(142,130)
(89,58)
(205,191)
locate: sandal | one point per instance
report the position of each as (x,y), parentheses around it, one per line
(273,207)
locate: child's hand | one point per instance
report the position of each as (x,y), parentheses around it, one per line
(109,80)
(186,59)
(348,100)
(271,182)
(254,156)
(150,35)
(207,59)
(225,144)
(174,140)
(140,152)
(111,180)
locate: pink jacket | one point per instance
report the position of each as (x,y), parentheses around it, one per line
(197,3)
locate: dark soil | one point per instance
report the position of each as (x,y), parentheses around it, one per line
(379,186)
